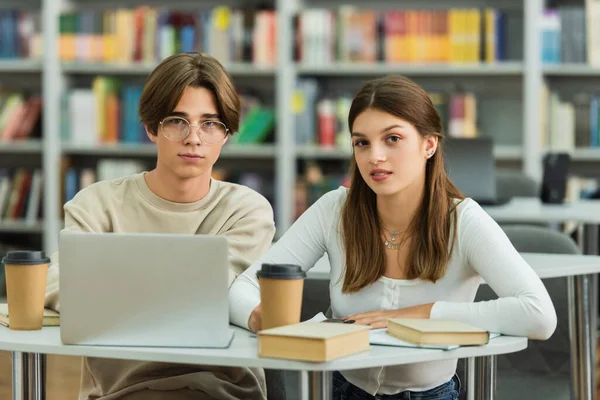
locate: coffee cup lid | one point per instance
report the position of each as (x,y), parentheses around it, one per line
(281,271)
(24,257)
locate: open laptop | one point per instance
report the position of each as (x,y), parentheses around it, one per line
(470,164)
(132,289)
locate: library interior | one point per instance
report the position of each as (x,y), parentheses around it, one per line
(515,85)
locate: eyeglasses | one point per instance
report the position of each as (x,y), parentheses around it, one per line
(177,129)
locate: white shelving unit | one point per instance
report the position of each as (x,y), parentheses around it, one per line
(571,70)
(20,66)
(528,74)
(21,227)
(149,150)
(21,147)
(501,153)
(444,70)
(145,69)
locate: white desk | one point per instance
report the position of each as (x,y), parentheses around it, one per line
(545,265)
(583,348)
(241,353)
(583,288)
(526,209)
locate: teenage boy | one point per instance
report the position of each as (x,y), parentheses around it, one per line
(189,107)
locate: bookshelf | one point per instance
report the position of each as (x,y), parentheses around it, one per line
(435,70)
(571,70)
(21,227)
(144,69)
(20,66)
(149,150)
(31,146)
(521,75)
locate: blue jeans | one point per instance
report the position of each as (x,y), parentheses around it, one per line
(344,390)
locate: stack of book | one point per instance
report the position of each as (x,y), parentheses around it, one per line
(108,113)
(401,36)
(20,34)
(147,35)
(19,116)
(321,340)
(20,195)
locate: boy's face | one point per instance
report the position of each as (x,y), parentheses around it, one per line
(190,157)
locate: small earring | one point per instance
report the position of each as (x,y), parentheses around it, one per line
(430,154)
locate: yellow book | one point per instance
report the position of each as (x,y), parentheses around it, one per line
(490,36)
(436,332)
(125,36)
(474,35)
(110,38)
(99,89)
(427,40)
(462,24)
(313,341)
(401,40)
(436,34)
(51,318)
(149,37)
(444,39)
(454,35)
(412,35)
(68,31)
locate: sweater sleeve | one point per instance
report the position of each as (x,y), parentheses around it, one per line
(524,307)
(250,237)
(303,244)
(79,220)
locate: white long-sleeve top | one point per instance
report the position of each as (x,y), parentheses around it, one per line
(481,250)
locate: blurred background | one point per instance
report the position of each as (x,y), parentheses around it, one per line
(522,73)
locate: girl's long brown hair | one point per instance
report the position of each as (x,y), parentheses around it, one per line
(430,230)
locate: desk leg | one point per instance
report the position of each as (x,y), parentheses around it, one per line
(581,332)
(320,386)
(20,376)
(28,376)
(469,385)
(304,385)
(37,376)
(485,371)
(583,320)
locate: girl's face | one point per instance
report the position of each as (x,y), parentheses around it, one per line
(390,153)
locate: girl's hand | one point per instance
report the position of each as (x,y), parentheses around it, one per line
(378,319)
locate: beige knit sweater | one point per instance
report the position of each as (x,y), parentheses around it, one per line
(128,205)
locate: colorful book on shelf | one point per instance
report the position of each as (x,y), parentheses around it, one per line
(255,127)
(20,194)
(19,116)
(20,34)
(146,34)
(108,113)
(455,35)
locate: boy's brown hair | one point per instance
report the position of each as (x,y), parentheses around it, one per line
(165,85)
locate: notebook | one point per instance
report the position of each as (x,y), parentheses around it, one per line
(51,318)
(381,337)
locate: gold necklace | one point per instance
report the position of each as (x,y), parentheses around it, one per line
(387,243)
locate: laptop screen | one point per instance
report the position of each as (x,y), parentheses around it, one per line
(471,167)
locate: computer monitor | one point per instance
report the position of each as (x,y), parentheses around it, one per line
(471,166)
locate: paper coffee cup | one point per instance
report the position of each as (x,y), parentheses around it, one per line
(281,288)
(26,273)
